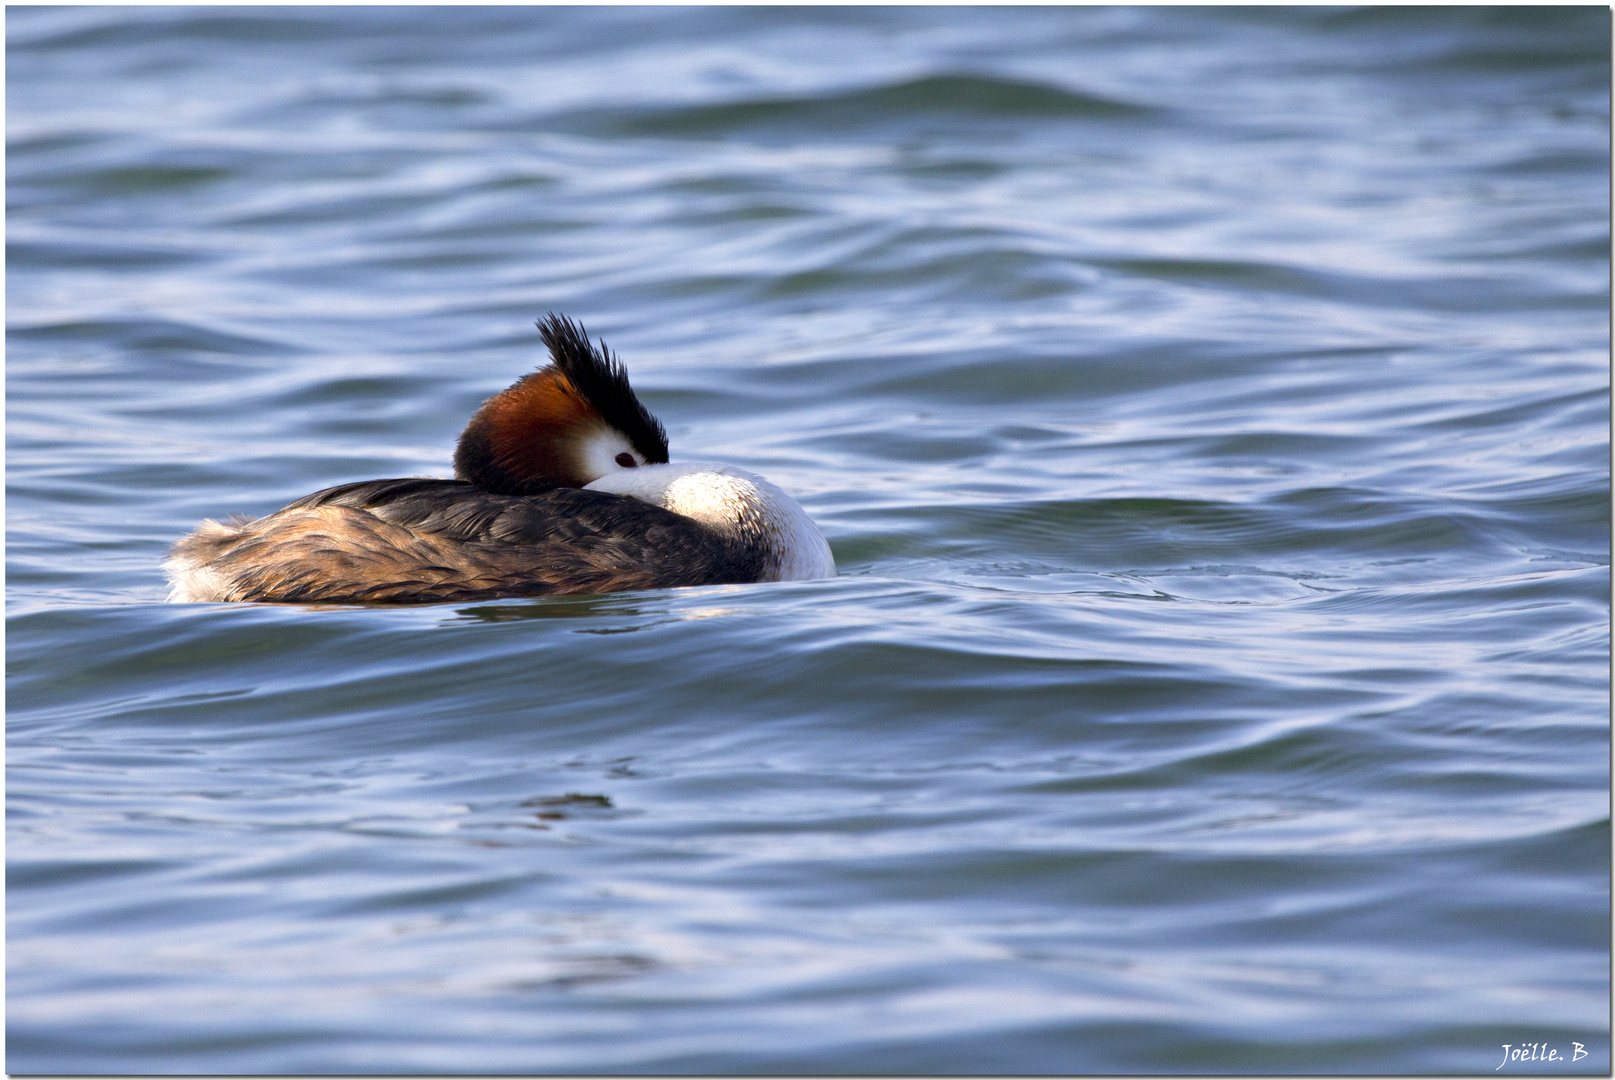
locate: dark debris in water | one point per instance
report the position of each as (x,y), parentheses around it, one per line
(571,800)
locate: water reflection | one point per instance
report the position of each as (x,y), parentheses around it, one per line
(658,608)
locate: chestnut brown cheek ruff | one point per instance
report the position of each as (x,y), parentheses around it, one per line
(525,440)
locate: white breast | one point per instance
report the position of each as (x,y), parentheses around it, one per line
(736,503)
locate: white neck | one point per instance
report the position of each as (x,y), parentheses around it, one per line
(740,505)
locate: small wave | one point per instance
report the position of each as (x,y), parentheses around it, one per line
(151,335)
(975,96)
(118,180)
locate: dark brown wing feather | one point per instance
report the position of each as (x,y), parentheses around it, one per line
(423,541)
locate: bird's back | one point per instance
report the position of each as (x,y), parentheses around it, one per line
(426,541)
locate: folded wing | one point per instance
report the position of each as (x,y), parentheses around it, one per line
(429,541)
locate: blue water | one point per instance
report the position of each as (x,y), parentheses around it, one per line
(1209,412)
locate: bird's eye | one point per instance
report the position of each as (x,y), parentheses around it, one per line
(627,461)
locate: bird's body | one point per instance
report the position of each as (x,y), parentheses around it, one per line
(554,496)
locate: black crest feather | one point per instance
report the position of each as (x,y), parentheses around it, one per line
(603,382)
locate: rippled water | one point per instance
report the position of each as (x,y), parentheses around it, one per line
(1209,414)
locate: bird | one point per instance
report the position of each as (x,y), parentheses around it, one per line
(562,485)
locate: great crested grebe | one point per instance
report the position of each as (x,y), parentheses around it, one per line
(563,486)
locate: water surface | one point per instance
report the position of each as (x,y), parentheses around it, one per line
(1209,413)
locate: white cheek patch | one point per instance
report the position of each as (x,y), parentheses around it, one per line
(598,450)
